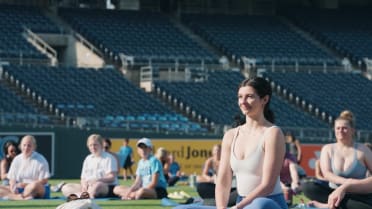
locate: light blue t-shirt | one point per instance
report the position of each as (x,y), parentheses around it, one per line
(124,152)
(174,168)
(146,168)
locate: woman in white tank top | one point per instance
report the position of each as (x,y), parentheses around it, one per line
(253,151)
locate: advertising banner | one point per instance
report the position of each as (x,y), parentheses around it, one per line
(310,153)
(189,153)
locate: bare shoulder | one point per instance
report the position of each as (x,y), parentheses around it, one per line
(229,134)
(362,147)
(228,138)
(209,161)
(274,132)
(326,148)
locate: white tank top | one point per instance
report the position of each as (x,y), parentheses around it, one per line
(249,170)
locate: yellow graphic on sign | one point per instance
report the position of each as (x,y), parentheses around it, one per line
(189,153)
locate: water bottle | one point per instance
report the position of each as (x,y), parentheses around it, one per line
(192,180)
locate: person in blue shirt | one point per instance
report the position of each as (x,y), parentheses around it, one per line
(126,158)
(150,182)
(174,171)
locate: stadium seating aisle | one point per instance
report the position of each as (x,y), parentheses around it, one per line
(14,110)
(12,21)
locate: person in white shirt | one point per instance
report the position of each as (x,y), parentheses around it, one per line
(28,174)
(99,172)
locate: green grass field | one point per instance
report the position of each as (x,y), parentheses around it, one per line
(105,204)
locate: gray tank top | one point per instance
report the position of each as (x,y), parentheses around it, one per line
(357,170)
(249,170)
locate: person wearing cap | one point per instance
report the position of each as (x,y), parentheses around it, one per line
(99,172)
(150,182)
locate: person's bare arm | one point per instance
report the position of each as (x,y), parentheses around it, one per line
(299,151)
(12,185)
(3,165)
(359,186)
(224,178)
(108,178)
(318,171)
(207,166)
(367,153)
(295,184)
(166,166)
(134,187)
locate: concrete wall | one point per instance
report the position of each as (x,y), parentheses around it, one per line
(86,58)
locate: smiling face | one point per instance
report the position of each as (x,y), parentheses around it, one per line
(250,102)
(11,151)
(343,130)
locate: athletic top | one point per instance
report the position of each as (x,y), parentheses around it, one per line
(147,168)
(356,170)
(96,167)
(249,171)
(30,169)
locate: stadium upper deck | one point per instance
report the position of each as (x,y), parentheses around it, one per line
(154,36)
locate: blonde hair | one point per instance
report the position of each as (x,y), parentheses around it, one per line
(95,137)
(161,153)
(32,139)
(348,116)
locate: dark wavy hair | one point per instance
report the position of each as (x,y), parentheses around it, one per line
(7,144)
(262,88)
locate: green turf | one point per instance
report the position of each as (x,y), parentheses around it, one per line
(105,204)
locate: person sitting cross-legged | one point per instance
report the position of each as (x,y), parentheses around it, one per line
(150,182)
(28,174)
(99,172)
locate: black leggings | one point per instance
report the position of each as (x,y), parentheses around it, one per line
(319,191)
(206,191)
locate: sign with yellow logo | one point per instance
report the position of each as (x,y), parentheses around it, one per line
(189,153)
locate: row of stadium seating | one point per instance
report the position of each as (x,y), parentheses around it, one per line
(13,19)
(349,31)
(103,94)
(14,109)
(10,102)
(143,35)
(265,38)
(106,94)
(333,92)
(152,35)
(214,100)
